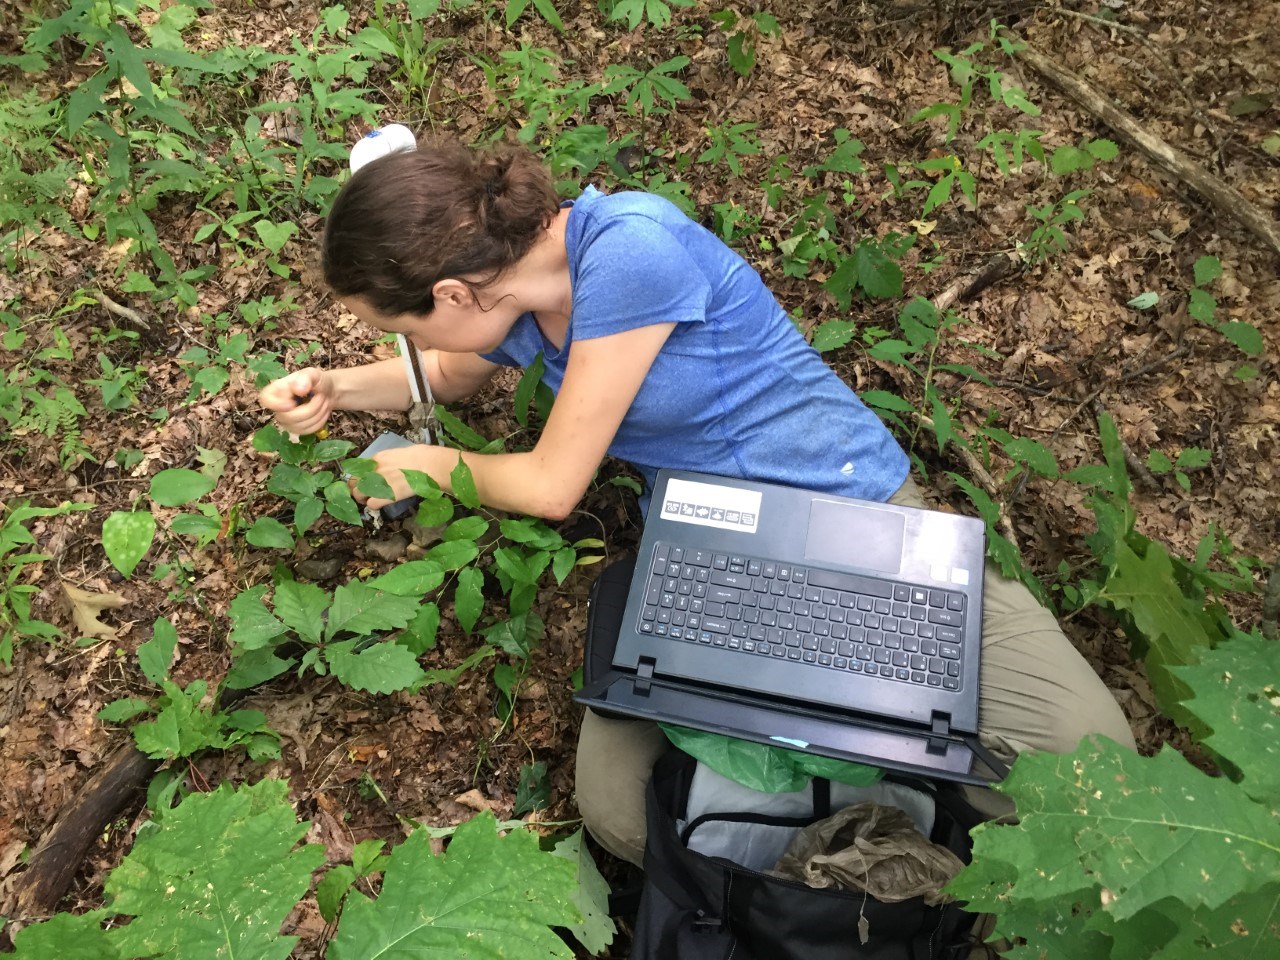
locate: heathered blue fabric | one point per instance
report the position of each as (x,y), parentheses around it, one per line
(735,390)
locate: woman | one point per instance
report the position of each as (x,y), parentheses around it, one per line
(665,349)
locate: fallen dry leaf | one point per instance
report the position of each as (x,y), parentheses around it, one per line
(86,605)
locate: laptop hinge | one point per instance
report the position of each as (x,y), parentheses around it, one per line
(644,674)
(939,733)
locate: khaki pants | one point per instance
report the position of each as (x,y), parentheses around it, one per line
(1038,693)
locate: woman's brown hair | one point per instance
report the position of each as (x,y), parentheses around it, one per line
(408,220)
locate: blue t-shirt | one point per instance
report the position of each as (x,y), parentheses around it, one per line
(735,390)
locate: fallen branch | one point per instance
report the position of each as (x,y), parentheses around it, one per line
(127,313)
(970,285)
(1224,198)
(58,856)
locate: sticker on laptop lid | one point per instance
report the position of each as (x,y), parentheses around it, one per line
(712,505)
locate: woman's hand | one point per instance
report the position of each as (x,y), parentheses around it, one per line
(437,462)
(301,402)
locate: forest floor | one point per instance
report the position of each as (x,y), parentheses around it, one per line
(1060,345)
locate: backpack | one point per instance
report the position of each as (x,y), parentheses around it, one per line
(696,904)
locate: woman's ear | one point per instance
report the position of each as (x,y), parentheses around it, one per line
(452,293)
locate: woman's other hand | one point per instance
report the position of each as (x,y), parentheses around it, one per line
(437,462)
(301,402)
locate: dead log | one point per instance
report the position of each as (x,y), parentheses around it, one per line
(57,859)
(1224,198)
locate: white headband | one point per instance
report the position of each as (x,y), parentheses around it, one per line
(393,138)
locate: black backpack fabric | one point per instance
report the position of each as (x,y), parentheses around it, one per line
(696,907)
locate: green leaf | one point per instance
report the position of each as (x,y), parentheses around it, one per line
(121,711)
(254,667)
(832,334)
(1207,269)
(86,100)
(1193,458)
(562,561)
(597,930)
(274,235)
(1158,462)
(268,532)
(67,936)
(302,606)
(420,635)
(1201,305)
(487,897)
(453,554)
(884,400)
(173,488)
(464,485)
(360,609)
(216,877)
(525,389)
(380,668)
(1236,694)
(252,624)
(467,528)
(1144,301)
(336,883)
(1034,454)
(156,654)
(468,597)
(126,538)
(1244,335)
(459,430)
(1144,828)
(414,578)
(1144,587)
(877,274)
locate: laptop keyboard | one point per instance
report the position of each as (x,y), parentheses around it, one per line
(837,621)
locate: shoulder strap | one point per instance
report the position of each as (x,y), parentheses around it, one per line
(422,410)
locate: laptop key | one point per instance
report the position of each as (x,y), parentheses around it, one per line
(716,625)
(949,651)
(955,601)
(949,634)
(933,680)
(850,582)
(950,683)
(948,617)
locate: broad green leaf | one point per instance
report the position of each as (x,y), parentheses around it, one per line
(252,624)
(459,430)
(301,606)
(562,562)
(884,400)
(1206,270)
(1159,462)
(1244,335)
(66,936)
(274,235)
(1144,301)
(488,897)
(1145,588)
(420,635)
(1244,928)
(86,100)
(380,668)
(173,488)
(525,389)
(464,485)
(126,538)
(466,528)
(216,877)
(468,597)
(336,883)
(1201,305)
(518,634)
(450,676)
(156,654)
(1145,828)
(339,502)
(120,711)
(268,532)
(358,608)
(413,578)
(1236,694)
(1034,454)
(254,667)
(183,726)
(832,335)
(453,554)
(597,930)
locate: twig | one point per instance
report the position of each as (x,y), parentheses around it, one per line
(967,287)
(120,310)
(1223,197)
(1110,24)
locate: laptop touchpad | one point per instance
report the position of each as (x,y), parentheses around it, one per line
(855,536)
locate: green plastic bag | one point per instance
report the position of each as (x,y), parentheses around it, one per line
(764,768)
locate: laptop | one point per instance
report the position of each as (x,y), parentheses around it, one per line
(842,627)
